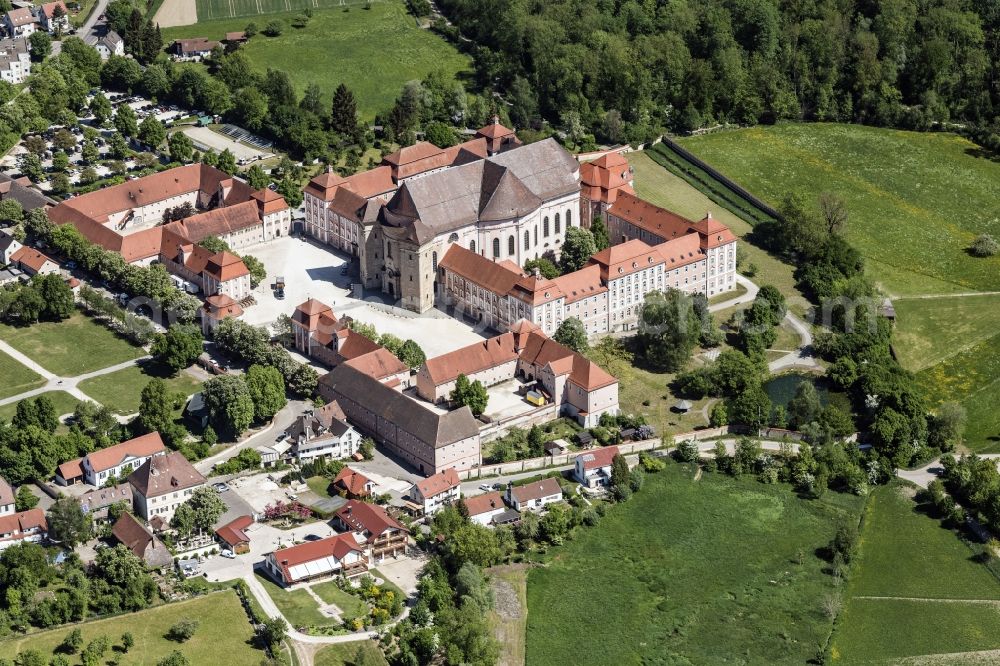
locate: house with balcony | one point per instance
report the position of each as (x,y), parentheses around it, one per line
(374,529)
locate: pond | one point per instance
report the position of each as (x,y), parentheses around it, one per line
(781,389)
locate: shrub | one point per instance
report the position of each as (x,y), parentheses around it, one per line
(985,246)
(687,451)
(183,630)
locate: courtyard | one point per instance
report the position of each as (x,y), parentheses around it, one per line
(315,271)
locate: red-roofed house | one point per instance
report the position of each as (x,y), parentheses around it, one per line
(33,262)
(26,526)
(491,362)
(340,554)
(437,491)
(7,502)
(233,534)
(484,508)
(53,16)
(113,462)
(352,483)
(534,496)
(217,309)
(593,468)
(376,531)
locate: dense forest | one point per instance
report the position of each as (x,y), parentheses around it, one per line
(626,69)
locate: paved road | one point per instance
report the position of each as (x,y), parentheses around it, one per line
(922,476)
(748,297)
(284,418)
(802,357)
(88,31)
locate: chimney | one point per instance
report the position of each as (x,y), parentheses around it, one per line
(496,119)
(536,272)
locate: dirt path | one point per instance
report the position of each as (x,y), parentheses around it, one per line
(176,12)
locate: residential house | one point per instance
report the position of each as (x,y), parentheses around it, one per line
(23,527)
(427,440)
(336,555)
(97,503)
(195,48)
(54,17)
(144,544)
(323,433)
(376,531)
(110,43)
(20,22)
(437,491)
(21,189)
(352,483)
(113,462)
(6,498)
(9,246)
(534,496)
(273,454)
(33,262)
(15,60)
(484,508)
(162,484)
(593,468)
(233,534)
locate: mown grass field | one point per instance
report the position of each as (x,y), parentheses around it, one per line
(350,654)
(223,636)
(710,571)
(661,187)
(916,200)
(223,9)
(122,390)
(373,51)
(930,330)
(72,347)
(64,404)
(297,606)
(349,605)
(971,377)
(909,564)
(17,378)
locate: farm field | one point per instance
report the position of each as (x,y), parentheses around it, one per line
(910,591)
(121,391)
(222,9)
(929,330)
(17,378)
(656,184)
(916,200)
(72,347)
(223,635)
(971,377)
(63,402)
(690,572)
(373,51)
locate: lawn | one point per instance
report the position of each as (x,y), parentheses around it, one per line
(17,378)
(929,330)
(710,571)
(349,605)
(908,561)
(373,51)
(916,200)
(223,635)
(221,9)
(297,606)
(121,390)
(971,377)
(349,654)
(661,187)
(63,402)
(75,346)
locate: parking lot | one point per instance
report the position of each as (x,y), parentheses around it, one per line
(314,271)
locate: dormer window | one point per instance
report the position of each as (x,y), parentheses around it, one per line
(620,270)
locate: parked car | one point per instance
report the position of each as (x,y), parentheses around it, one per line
(312,537)
(485,487)
(228,554)
(220,487)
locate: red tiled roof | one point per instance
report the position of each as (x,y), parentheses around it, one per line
(713,232)
(225,266)
(598,457)
(338,546)
(497,277)
(356,345)
(439,483)
(19,523)
(625,258)
(580,284)
(221,306)
(233,531)
(368,518)
(221,221)
(605,178)
(658,221)
(71,469)
(353,481)
(379,363)
(30,258)
(472,359)
(542,351)
(164,474)
(6,492)
(479,504)
(49,8)
(269,201)
(139,447)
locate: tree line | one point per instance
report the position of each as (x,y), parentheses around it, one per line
(625,71)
